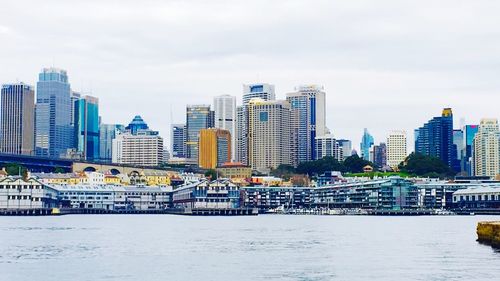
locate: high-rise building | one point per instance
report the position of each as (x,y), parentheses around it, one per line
(75,96)
(457,149)
(327,146)
(346,148)
(307,121)
(178,140)
(138,145)
(198,117)
(17,119)
(396,148)
(225,118)
(486,152)
(54,134)
(380,155)
(435,138)
(107,133)
(268,134)
(470,132)
(214,148)
(263,91)
(366,143)
(87,127)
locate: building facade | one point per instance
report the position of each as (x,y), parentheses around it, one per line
(380,155)
(396,148)
(87,127)
(178,140)
(327,146)
(198,117)
(486,151)
(366,143)
(107,133)
(308,120)
(225,118)
(54,134)
(214,148)
(470,132)
(268,134)
(17,119)
(345,147)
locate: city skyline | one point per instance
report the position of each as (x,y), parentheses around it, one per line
(366,63)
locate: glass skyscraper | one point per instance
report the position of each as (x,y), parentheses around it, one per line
(178,140)
(107,133)
(366,142)
(54,134)
(87,127)
(435,138)
(197,117)
(470,132)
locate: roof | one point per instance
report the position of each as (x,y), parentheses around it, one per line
(478,189)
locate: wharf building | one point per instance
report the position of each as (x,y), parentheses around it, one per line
(435,138)
(54,133)
(217,194)
(214,148)
(308,107)
(396,149)
(138,145)
(483,197)
(26,193)
(268,134)
(87,127)
(17,119)
(486,149)
(225,118)
(198,117)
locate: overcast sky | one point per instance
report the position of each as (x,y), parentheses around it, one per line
(385,65)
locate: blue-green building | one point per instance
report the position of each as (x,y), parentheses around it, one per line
(87,127)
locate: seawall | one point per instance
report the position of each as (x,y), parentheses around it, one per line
(489,233)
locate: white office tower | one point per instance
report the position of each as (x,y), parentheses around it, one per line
(263,91)
(225,118)
(268,134)
(308,121)
(327,146)
(486,158)
(396,148)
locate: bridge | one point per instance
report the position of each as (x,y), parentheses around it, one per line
(48,165)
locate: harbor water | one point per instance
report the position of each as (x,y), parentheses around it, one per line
(265,247)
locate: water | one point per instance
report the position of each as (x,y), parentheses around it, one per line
(267,247)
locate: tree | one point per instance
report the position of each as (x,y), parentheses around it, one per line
(284,171)
(211,174)
(355,164)
(426,166)
(320,166)
(15,169)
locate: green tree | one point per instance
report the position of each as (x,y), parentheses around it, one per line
(15,169)
(355,164)
(284,171)
(211,174)
(320,166)
(426,166)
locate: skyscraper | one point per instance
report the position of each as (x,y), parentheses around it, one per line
(87,127)
(366,142)
(263,91)
(470,132)
(346,147)
(307,121)
(380,155)
(178,140)
(54,134)
(138,145)
(197,117)
(17,119)
(107,133)
(435,138)
(268,134)
(486,153)
(225,118)
(214,148)
(327,146)
(457,149)
(396,149)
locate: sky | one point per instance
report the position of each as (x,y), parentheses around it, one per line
(385,65)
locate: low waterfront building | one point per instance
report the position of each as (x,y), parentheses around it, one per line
(26,193)
(217,194)
(235,171)
(478,197)
(265,198)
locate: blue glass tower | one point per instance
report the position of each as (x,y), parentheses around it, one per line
(54,134)
(366,142)
(87,127)
(136,125)
(435,138)
(470,132)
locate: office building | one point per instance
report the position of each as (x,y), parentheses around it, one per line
(178,140)
(435,138)
(308,120)
(225,118)
(327,146)
(268,134)
(262,91)
(138,145)
(107,133)
(86,122)
(470,132)
(457,149)
(380,155)
(345,147)
(241,135)
(396,149)
(214,148)
(486,149)
(365,145)
(17,119)
(54,133)
(198,117)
